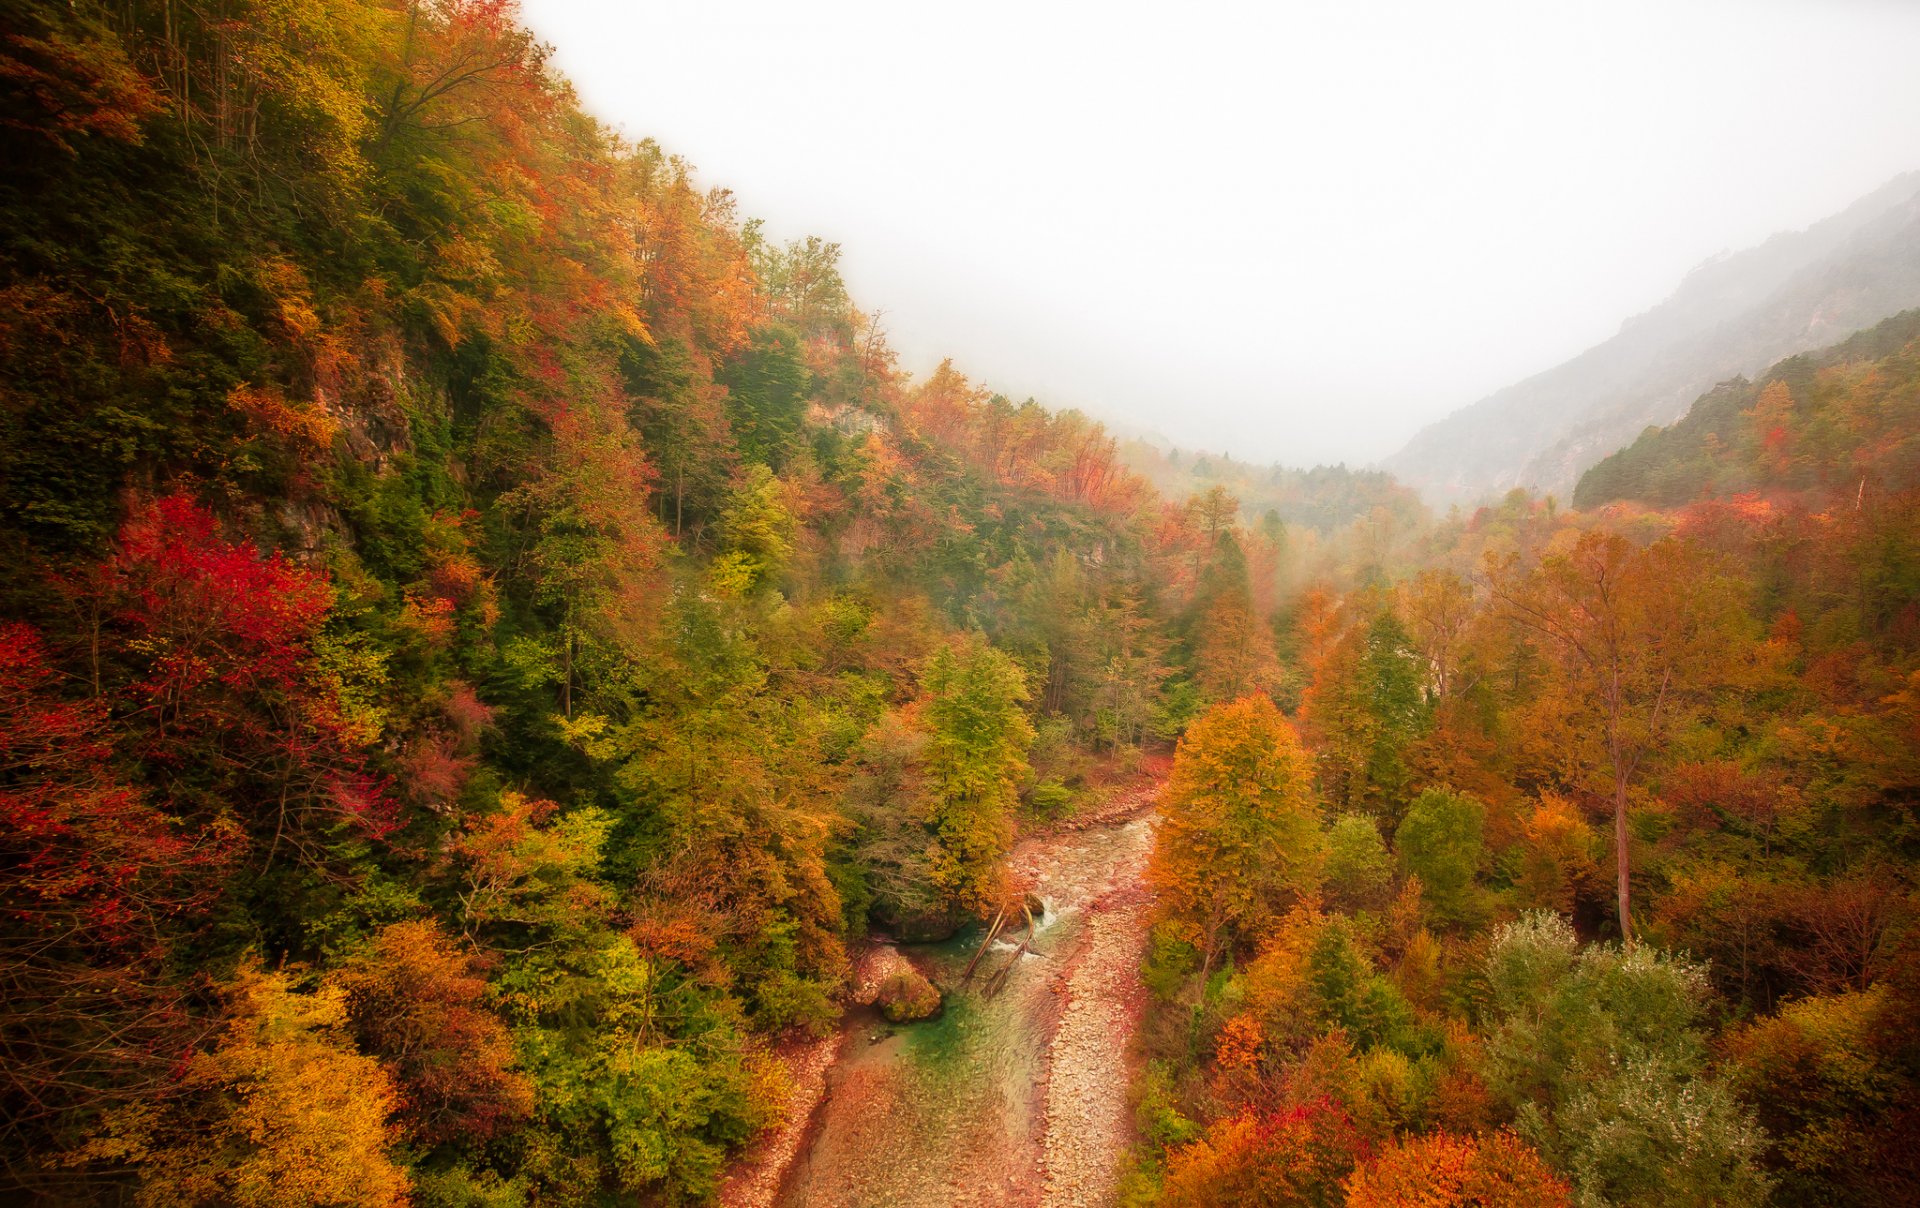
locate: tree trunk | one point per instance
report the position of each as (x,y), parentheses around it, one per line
(1620,856)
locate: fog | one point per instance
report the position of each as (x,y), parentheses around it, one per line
(1293,232)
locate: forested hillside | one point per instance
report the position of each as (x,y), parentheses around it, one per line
(1322,499)
(1389,966)
(487,634)
(484,627)
(1807,430)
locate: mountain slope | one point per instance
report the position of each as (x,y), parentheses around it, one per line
(1843,421)
(480,621)
(1731,316)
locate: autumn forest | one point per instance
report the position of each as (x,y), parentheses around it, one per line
(505,678)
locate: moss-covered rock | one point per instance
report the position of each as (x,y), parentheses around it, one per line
(923,926)
(906,995)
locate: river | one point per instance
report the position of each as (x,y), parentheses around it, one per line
(1017,1093)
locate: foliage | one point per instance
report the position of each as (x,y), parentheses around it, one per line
(1818,1078)
(1636,637)
(1441,841)
(1366,706)
(98,883)
(1838,420)
(421,1007)
(1294,1156)
(1240,838)
(1601,1051)
(458,559)
(1438,1170)
(281,1111)
(1359,871)
(975,757)
(1347,994)
(1716,656)
(456,563)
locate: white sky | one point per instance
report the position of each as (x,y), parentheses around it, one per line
(1292,231)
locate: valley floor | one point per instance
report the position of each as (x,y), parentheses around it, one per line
(1017,1094)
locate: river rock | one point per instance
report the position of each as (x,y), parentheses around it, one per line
(923,926)
(907,995)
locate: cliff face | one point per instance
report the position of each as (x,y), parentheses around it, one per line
(1732,316)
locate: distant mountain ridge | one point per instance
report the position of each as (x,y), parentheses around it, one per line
(1325,498)
(1732,316)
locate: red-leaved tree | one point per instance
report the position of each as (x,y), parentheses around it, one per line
(205,648)
(95,882)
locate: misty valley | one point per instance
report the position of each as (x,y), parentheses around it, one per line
(514,692)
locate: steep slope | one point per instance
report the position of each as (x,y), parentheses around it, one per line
(1842,421)
(1731,316)
(483,629)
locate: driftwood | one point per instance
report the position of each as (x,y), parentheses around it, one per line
(993,929)
(999,980)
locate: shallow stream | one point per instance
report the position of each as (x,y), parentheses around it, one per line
(955,1111)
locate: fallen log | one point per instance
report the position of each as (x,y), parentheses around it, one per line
(993,929)
(999,979)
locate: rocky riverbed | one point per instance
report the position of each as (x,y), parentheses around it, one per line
(1017,1093)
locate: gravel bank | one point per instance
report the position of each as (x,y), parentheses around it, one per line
(1088,1124)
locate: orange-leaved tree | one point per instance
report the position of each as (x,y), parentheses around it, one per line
(1240,838)
(1445,1170)
(418,1003)
(1635,637)
(1294,1156)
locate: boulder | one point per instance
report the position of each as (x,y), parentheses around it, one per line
(906,995)
(923,926)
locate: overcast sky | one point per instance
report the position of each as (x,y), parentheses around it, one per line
(1292,231)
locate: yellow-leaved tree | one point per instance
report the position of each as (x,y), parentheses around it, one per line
(283,1113)
(1240,840)
(975,756)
